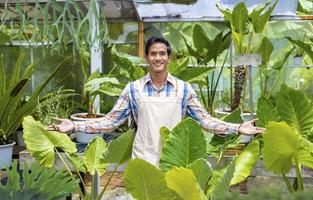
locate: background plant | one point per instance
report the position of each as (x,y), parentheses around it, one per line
(40,183)
(12,89)
(243,26)
(44,145)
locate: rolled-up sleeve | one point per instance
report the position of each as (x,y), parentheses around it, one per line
(206,121)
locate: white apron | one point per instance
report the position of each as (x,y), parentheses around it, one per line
(154,113)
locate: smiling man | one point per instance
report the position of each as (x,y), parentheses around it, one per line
(156,100)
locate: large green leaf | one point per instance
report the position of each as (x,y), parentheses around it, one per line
(200,39)
(220,181)
(40,183)
(178,66)
(184,183)
(41,143)
(234,117)
(258,19)
(195,75)
(185,145)
(284,142)
(245,162)
(145,182)
(295,108)
(266,112)
(120,149)
(165,134)
(284,58)
(266,50)
(240,18)
(93,156)
(307,48)
(202,171)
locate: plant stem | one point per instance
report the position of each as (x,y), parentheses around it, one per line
(289,186)
(299,177)
(108,181)
(70,172)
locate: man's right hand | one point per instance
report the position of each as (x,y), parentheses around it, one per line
(64,126)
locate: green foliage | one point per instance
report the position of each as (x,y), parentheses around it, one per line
(120,149)
(234,116)
(184,146)
(184,183)
(295,108)
(305,46)
(12,89)
(220,181)
(93,156)
(202,171)
(40,183)
(285,142)
(57,104)
(245,162)
(144,181)
(42,144)
(266,112)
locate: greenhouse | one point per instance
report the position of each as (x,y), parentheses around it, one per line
(156,99)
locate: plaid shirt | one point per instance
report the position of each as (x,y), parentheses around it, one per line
(128,102)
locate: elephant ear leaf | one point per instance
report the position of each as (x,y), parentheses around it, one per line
(93,156)
(185,145)
(266,112)
(41,143)
(144,181)
(184,183)
(295,109)
(202,171)
(120,149)
(220,181)
(245,162)
(281,143)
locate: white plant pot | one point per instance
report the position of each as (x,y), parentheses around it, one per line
(6,152)
(245,117)
(20,139)
(84,137)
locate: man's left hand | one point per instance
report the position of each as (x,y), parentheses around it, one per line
(248,128)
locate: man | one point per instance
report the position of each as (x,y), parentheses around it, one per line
(156,100)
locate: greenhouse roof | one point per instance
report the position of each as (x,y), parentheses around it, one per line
(166,10)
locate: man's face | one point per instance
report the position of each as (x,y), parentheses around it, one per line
(158,58)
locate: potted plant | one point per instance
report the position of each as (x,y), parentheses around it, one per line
(301,47)
(124,69)
(13,109)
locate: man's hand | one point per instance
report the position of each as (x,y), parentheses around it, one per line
(65,126)
(248,128)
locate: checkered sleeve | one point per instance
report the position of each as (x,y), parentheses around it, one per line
(206,121)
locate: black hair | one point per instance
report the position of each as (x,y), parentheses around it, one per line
(157,39)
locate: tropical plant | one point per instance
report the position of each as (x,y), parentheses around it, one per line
(184,172)
(44,145)
(125,69)
(205,51)
(40,183)
(288,133)
(243,26)
(303,46)
(12,90)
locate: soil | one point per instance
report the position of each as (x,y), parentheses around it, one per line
(4,142)
(89,116)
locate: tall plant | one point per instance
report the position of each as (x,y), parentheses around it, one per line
(289,133)
(12,89)
(205,51)
(243,26)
